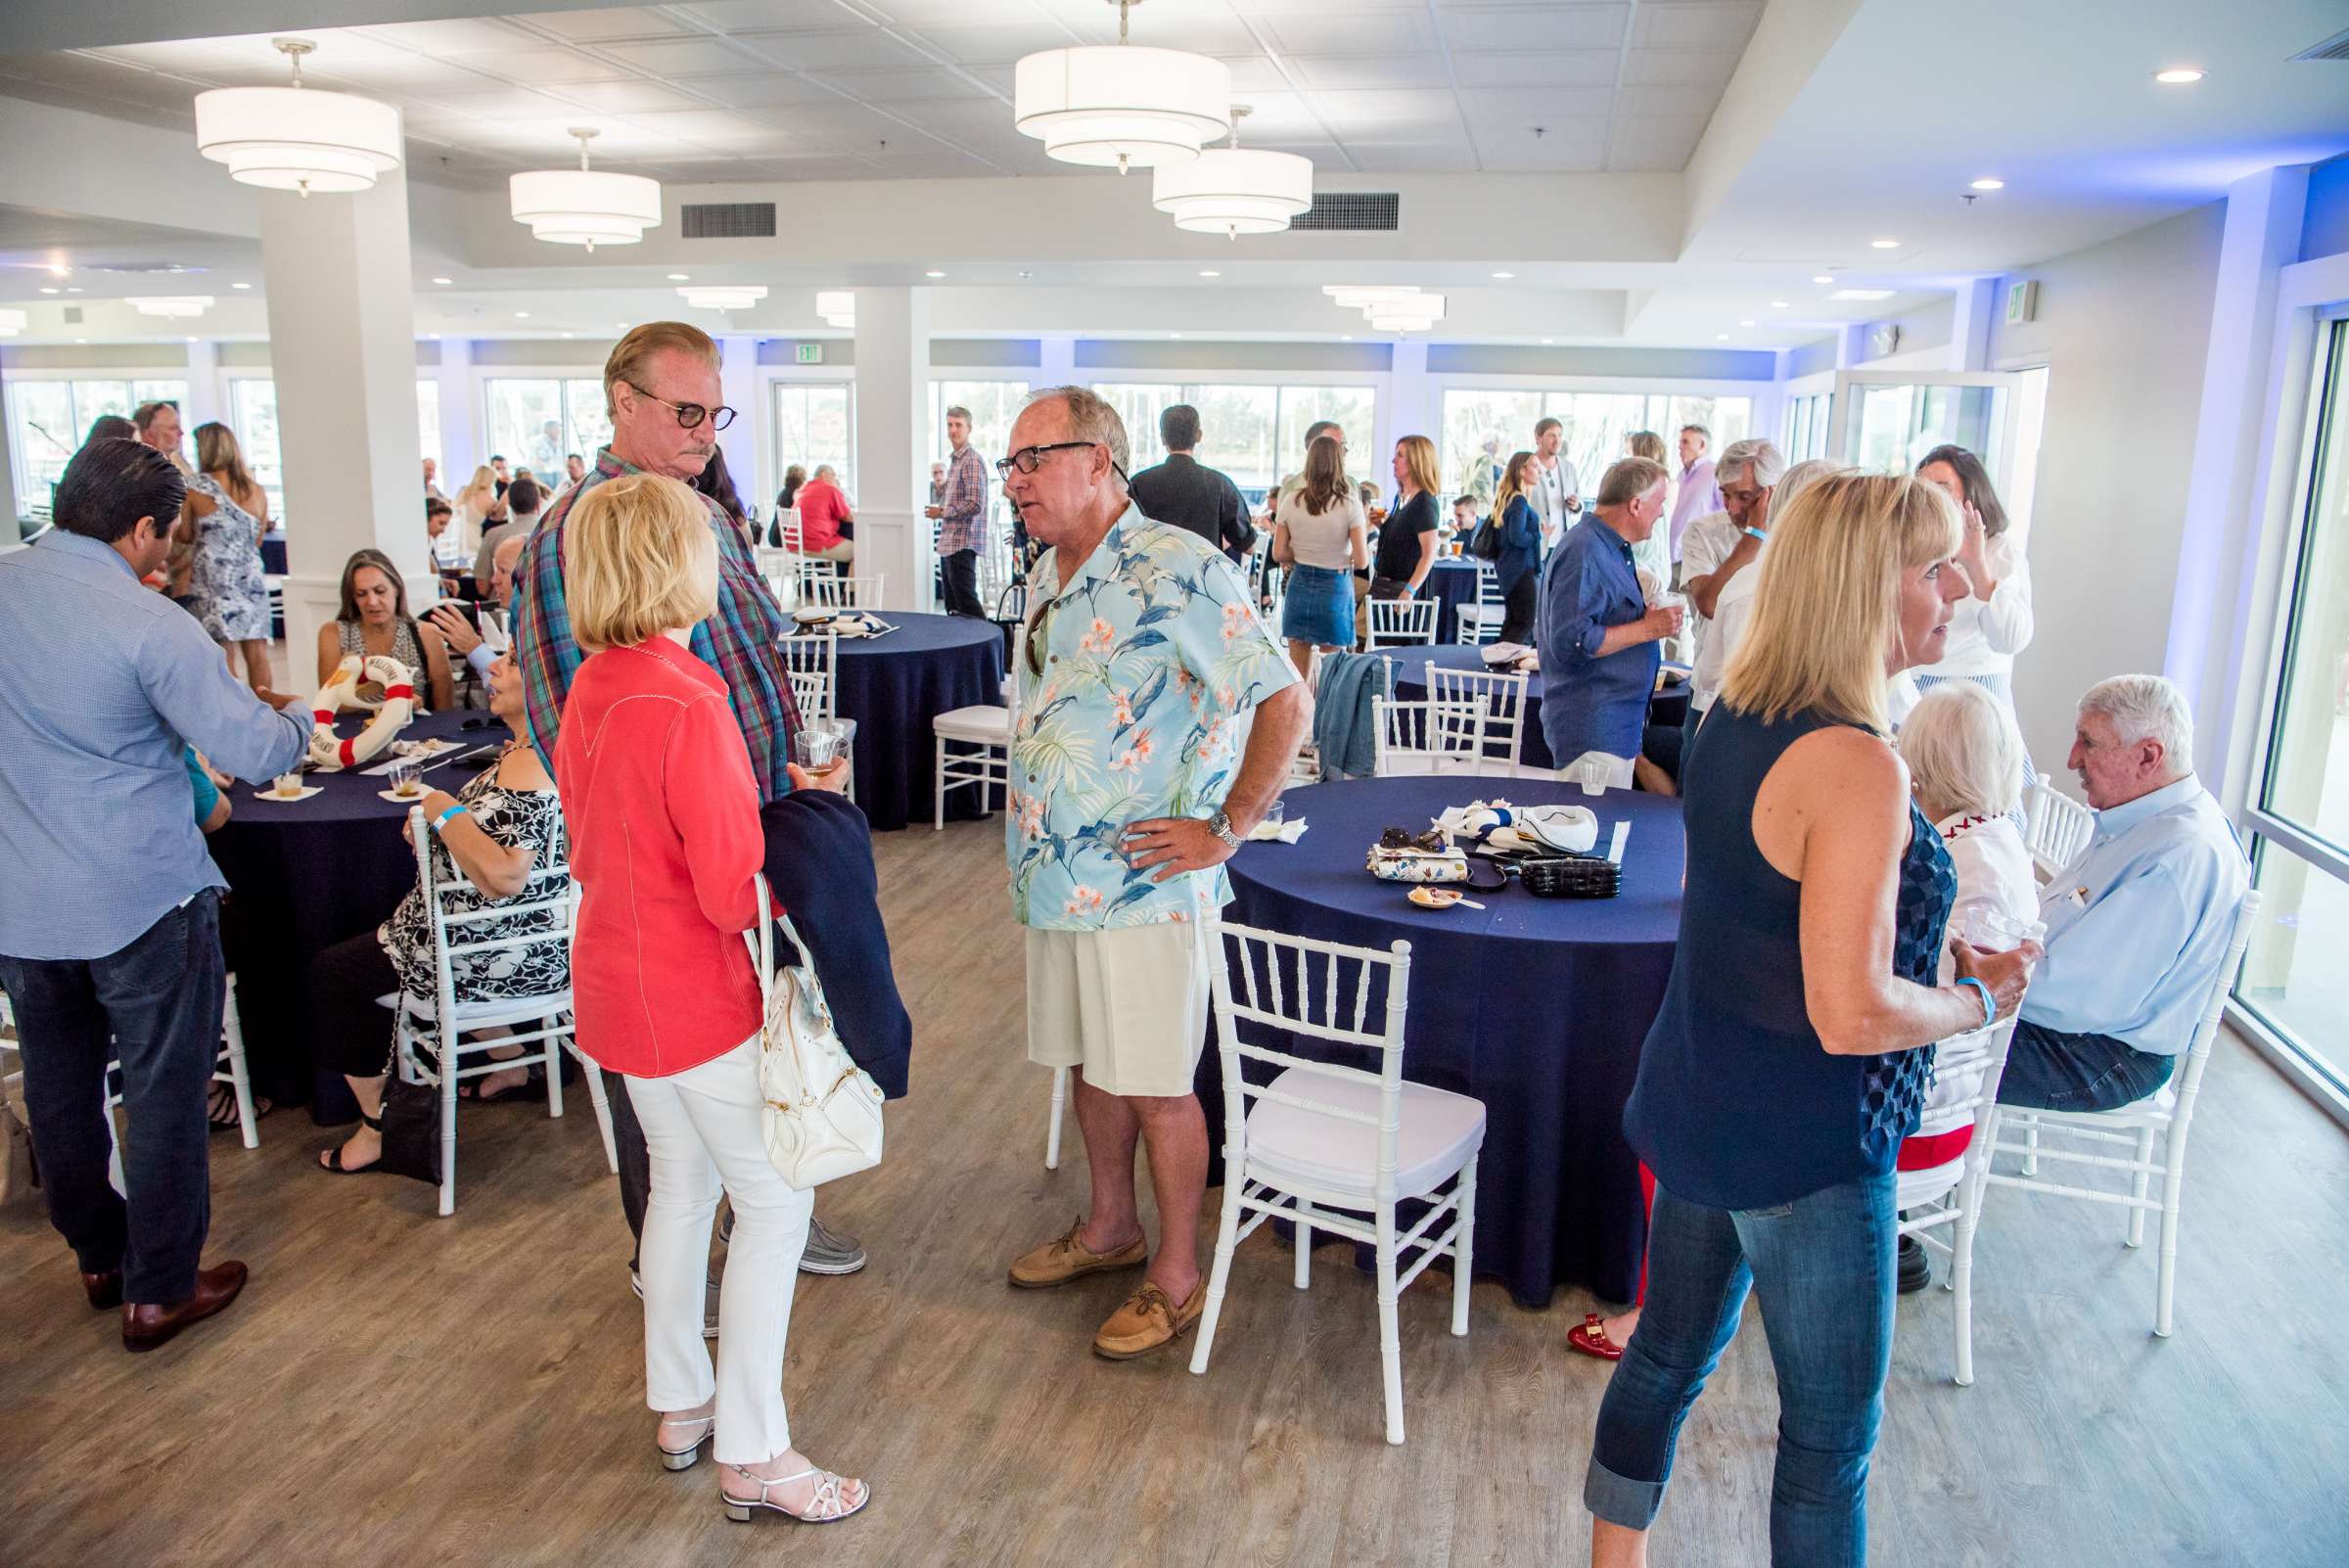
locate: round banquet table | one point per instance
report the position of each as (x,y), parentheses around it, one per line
(1450,583)
(1535,1006)
(893,686)
(304,875)
(1666,706)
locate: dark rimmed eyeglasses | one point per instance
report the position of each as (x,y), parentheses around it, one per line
(1028,459)
(691,415)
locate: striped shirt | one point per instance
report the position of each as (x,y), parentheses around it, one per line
(740,642)
(964,525)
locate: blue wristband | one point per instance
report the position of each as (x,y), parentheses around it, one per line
(1755,534)
(1989,1007)
(458,809)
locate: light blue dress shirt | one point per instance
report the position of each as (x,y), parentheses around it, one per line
(2138,926)
(103,684)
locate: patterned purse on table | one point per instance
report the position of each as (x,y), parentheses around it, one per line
(822,1118)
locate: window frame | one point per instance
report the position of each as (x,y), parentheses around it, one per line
(19,478)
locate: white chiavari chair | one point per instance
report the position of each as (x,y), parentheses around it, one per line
(1503,693)
(1399,622)
(1428,736)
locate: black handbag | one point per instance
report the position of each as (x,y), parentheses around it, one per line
(411,1130)
(1485,542)
(1571,876)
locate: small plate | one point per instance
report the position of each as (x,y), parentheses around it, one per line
(1427,898)
(307,792)
(416,799)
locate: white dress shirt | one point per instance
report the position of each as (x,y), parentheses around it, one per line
(1707,543)
(1984,639)
(1550,488)
(1725,628)
(2138,926)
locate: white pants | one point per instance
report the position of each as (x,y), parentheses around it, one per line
(702,1128)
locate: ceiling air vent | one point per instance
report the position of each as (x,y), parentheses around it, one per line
(2335,47)
(728,221)
(1352,209)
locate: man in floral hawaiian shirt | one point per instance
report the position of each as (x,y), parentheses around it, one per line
(1157,721)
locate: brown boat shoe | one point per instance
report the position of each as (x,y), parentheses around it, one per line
(1058,1262)
(1148,1321)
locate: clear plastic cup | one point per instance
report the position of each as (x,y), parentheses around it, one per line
(288,783)
(406,780)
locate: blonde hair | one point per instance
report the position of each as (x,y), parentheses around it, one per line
(1645,444)
(1419,462)
(218,453)
(1510,486)
(631,357)
(1826,610)
(1627,478)
(483,479)
(640,558)
(1962,750)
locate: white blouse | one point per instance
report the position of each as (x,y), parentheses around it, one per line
(1322,539)
(1994,874)
(1984,639)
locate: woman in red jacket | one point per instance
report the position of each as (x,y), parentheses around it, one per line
(663,819)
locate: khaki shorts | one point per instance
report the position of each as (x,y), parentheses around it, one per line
(1128,1005)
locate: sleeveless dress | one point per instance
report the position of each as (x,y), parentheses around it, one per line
(1737,1105)
(404,648)
(232,598)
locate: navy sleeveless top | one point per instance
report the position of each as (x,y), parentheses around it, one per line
(1737,1105)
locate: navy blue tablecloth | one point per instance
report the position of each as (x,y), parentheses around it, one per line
(273,553)
(1535,1006)
(302,876)
(1666,708)
(1451,584)
(893,686)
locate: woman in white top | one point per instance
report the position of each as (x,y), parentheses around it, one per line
(477,503)
(1321,533)
(1994,623)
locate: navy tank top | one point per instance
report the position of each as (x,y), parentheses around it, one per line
(1737,1105)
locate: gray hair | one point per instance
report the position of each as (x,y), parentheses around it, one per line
(824,469)
(1090,419)
(1796,480)
(1755,458)
(2145,707)
(1962,750)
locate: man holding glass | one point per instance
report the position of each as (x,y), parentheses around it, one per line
(662,391)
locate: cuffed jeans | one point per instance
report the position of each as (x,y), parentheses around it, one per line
(703,1129)
(155,1005)
(2047,1070)
(1822,1270)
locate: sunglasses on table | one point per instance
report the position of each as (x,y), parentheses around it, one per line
(691,415)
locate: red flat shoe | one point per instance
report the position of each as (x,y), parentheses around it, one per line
(1592,1339)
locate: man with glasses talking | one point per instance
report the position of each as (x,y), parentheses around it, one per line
(1140,669)
(661,389)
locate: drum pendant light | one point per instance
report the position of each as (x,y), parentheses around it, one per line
(1232,190)
(1121,107)
(581,206)
(297,138)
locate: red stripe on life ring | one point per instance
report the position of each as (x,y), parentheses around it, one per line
(399,694)
(322,716)
(348,753)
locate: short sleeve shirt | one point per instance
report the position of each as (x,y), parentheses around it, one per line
(1149,662)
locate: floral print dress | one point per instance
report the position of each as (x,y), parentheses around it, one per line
(232,597)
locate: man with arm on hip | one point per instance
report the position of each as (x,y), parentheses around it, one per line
(1141,664)
(961,516)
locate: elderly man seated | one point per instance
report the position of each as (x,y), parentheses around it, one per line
(2139,924)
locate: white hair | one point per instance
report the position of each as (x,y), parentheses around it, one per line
(2145,707)
(824,469)
(1090,419)
(1962,750)
(1796,480)
(1759,456)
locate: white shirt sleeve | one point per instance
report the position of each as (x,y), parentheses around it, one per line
(2007,622)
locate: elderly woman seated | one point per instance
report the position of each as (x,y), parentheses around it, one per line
(495,831)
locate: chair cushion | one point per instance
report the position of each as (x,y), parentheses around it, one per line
(979,723)
(1441,1133)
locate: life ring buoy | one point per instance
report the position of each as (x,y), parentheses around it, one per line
(331,753)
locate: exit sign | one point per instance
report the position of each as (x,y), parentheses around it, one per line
(812,354)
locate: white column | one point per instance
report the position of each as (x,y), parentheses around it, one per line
(893,476)
(342,352)
(738,384)
(462,441)
(1056,362)
(1975,306)
(207,393)
(1851,344)
(1409,408)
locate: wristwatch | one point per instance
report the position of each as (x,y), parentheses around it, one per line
(1221,826)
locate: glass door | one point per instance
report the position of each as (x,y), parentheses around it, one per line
(1885,421)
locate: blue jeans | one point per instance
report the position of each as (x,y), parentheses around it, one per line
(155,1005)
(2051,1070)
(1823,1268)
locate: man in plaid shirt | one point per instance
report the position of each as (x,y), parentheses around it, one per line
(660,386)
(961,518)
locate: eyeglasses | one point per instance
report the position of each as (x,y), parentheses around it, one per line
(691,415)
(1029,459)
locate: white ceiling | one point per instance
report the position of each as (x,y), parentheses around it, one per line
(860,89)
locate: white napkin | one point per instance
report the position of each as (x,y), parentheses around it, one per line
(1287,832)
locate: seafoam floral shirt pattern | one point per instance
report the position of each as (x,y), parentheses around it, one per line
(1151,660)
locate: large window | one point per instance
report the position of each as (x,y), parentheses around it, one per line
(48,419)
(253,412)
(2294,978)
(428,426)
(1478,421)
(1806,426)
(535,421)
(815,422)
(1254,434)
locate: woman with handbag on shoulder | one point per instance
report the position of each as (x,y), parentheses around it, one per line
(667,847)
(1517,546)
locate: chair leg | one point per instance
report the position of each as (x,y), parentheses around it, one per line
(1060,1099)
(2031,1148)
(2173,1202)
(1463,1248)
(448,1041)
(2136,1236)
(550,1058)
(603,1108)
(1962,1277)
(240,1078)
(1390,1338)
(1304,1243)
(1219,1273)
(938,799)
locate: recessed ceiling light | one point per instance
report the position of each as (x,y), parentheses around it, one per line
(1344,336)
(1550,340)
(239,285)
(190,339)
(1987,183)
(70,289)
(522,315)
(1860,293)
(67,272)
(1504,276)
(445,282)
(1174,334)
(934,273)
(45,289)
(1823,278)
(81,340)
(1777,305)
(1210,272)
(1885,244)
(680,277)
(1721,337)
(2180,75)
(621,325)
(1747,322)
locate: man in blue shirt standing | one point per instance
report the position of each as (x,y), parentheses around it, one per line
(2138,926)
(110,907)
(1599,635)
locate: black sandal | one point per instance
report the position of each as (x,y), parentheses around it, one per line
(331,1160)
(221,1110)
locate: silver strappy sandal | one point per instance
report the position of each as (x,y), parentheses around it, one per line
(686,1457)
(830,1502)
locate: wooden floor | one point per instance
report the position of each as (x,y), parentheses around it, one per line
(404,1390)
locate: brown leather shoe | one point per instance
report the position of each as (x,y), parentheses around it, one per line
(104,1290)
(1148,1320)
(1056,1263)
(146,1325)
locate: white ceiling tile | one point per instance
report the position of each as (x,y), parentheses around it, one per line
(1646,159)
(757,92)
(1402,110)
(1680,67)
(500,102)
(763,15)
(1714,24)
(1374,71)
(543,67)
(1350,29)
(399,72)
(1000,44)
(1439,156)
(1562,68)
(909,86)
(192,54)
(703,124)
(629,97)
(687,57)
(1553,26)
(927,162)
(439,38)
(834,51)
(1255,74)
(1555,154)
(617,21)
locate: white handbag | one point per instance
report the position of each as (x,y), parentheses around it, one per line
(823,1112)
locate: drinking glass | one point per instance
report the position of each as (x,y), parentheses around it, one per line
(407,780)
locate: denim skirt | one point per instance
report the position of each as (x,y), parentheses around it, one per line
(1319,607)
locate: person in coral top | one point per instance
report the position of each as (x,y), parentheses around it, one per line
(666,840)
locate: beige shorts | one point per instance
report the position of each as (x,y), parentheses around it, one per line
(1128,1006)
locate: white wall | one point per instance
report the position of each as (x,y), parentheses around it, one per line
(2124,330)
